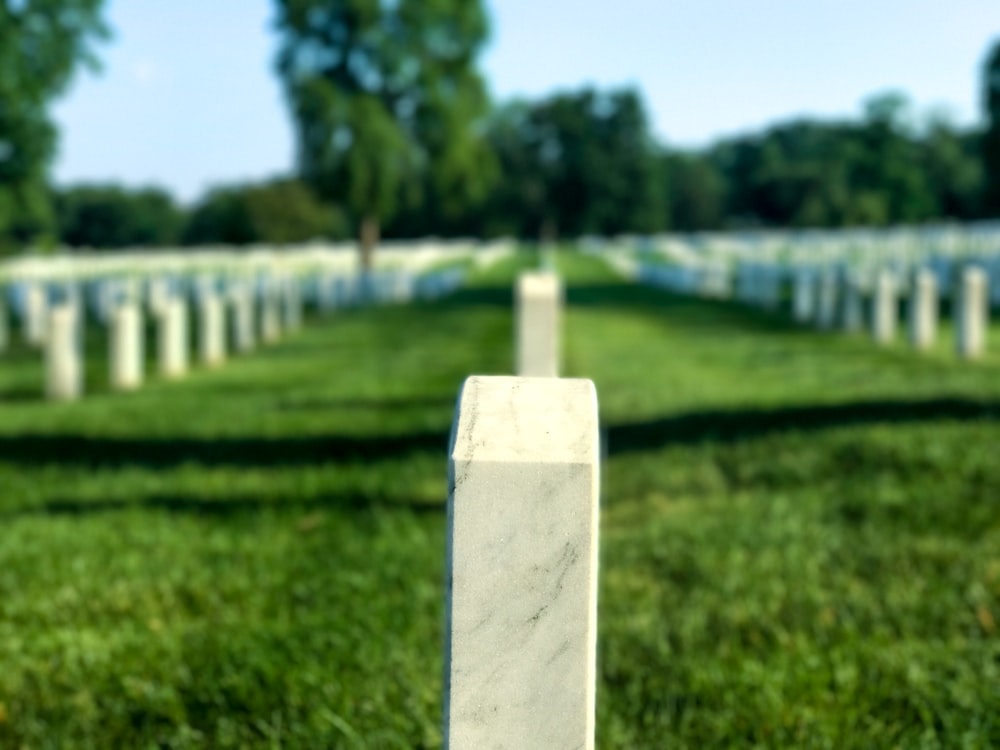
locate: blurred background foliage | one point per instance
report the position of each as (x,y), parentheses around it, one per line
(397,137)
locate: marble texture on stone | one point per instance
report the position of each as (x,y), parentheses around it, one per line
(538,301)
(63,366)
(923,310)
(972,316)
(884,308)
(520,664)
(126,350)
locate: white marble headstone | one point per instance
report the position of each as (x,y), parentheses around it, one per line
(63,358)
(520,664)
(126,350)
(538,301)
(884,308)
(972,315)
(173,337)
(923,310)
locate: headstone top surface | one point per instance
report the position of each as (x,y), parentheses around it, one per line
(526,420)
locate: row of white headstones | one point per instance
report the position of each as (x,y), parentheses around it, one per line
(835,297)
(236,309)
(520,654)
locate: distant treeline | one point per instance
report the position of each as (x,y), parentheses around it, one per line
(584,163)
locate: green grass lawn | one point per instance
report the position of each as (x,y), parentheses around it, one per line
(800,534)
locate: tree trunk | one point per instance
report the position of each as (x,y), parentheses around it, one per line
(369,241)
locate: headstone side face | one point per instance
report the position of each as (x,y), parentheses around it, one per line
(538,299)
(520,656)
(973,313)
(63,360)
(127,353)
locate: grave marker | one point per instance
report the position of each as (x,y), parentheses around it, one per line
(127,354)
(923,310)
(520,664)
(538,298)
(972,314)
(63,366)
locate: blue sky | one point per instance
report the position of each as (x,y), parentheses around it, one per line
(188,98)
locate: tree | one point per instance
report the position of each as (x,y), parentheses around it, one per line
(277,212)
(578,163)
(991,137)
(109,216)
(387,103)
(41,44)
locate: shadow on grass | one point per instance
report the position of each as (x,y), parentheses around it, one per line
(228,451)
(226,507)
(680,429)
(747,424)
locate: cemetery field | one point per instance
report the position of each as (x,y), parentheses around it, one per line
(800,533)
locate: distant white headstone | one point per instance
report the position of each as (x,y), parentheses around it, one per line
(885,311)
(127,353)
(520,665)
(173,337)
(212,340)
(923,310)
(972,315)
(36,307)
(63,359)
(538,299)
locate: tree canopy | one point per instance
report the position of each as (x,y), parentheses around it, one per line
(386,100)
(41,44)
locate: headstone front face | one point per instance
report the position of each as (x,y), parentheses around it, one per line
(63,361)
(127,351)
(538,298)
(270,313)
(243,318)
(972,315)
(884,308)
(520,663)
(213,329)
(173,337)
(35,314)
(923,310)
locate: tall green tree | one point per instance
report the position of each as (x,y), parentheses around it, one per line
(991,137)
(42,42)
(387,104)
